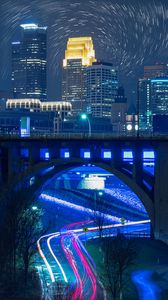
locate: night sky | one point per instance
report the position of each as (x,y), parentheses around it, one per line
(127,33)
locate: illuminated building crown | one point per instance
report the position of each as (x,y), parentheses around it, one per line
(80,48)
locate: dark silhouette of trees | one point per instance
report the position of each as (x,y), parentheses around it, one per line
(29,230)
(119,254)
(19,228)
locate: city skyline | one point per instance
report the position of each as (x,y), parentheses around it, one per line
(84,149)
(89,85)
(110,25)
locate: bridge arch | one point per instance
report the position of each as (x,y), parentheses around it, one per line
(61,166)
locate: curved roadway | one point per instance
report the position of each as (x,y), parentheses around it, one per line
(58,249)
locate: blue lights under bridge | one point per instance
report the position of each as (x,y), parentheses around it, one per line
(86,153)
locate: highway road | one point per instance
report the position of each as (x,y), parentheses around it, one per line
(81,272)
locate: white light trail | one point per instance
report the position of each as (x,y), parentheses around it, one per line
(80,230)
(44,259)
(56,259)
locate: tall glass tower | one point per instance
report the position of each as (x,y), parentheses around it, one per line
(102,89)
(159,95)
(152,101)
(79,55)
(29,58)
(144,105)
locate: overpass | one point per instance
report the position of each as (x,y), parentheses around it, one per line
(126,157)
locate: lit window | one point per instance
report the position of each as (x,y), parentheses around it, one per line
(47,155)
(106,154)
(44,154)
(64,153)
(127,155)
(148,155)
(67,155)
(85,153)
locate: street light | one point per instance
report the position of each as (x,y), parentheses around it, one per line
(96,194)
(85,117)
(34,208)
(85,230)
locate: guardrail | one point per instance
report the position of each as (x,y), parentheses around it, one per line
(68,136)
(137,235)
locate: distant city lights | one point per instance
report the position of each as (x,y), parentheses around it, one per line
(129,127)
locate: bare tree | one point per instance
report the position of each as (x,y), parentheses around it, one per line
(29,230)
(119,255)
(99,211)
(98,218)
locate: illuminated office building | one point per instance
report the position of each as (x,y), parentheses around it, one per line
(63,109)
(156,70)
(57,111)
(119,112)
(144,105)
(29,63)
(132,121)
(79,55)
(159,96)
(102,89)
(152,101)
(150,94)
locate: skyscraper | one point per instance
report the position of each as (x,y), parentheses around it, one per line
(157,70)
(102,88)
(147,93)
(79,55)
(152,101)
(119,112)
(144,105)
(29,63)
(159,96)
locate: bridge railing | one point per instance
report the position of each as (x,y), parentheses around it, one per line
(138,235)
(71,135)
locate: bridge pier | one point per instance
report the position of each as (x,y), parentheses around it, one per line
(33,157)
(161,194)
(4,165)
(137,172)
(10,163)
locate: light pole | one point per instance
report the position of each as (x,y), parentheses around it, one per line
(85,117)
(100,194)
(85,230)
